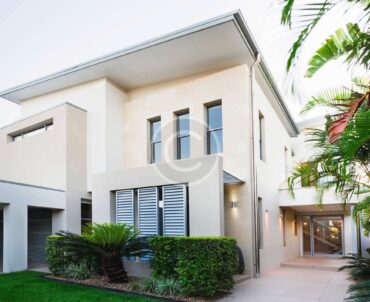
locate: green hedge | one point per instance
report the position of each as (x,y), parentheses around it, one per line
(59,262)
(204,266)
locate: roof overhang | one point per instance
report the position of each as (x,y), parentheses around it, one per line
(217,43)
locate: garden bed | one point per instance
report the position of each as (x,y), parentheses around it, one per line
(101,282)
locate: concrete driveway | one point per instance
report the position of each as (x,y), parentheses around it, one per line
(287,284)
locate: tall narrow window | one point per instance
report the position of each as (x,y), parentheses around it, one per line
(86,212)
(183,136)
(283,222)
(260,223)
(155,141)
(214,131)
(261,130)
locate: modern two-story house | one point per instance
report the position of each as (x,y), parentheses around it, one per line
(183,135)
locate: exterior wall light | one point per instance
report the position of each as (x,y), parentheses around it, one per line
(234,204)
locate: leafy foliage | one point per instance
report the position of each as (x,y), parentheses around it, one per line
(203,266)
(351,42)
(359,270)
(359,292)
(358,266)
(55,256)
(158,286)
(78,271)
(342,157)
(108,242)
(306,16)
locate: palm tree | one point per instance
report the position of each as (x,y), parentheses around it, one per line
(350,42)
(342,158)
(108,242)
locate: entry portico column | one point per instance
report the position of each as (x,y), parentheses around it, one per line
(15,237)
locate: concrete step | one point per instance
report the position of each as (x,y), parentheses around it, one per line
(241,278)
(315,263)
(313,267)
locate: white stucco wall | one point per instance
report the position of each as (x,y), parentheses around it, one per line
(205,204)
(271,173)
(15,200)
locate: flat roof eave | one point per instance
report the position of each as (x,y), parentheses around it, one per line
(178,54)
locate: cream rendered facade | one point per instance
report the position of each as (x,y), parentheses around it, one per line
(99,143)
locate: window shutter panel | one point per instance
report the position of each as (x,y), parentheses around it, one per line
(174,210)
(148,211)
(125,207)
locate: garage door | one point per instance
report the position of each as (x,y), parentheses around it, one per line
(39,228)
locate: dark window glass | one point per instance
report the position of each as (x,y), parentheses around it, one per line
(155,141)
(86,213)
(261,136)
(183,136)
(214,133)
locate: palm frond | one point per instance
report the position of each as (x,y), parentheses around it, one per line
(349,42)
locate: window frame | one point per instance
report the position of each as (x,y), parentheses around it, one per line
(153,142)
(210,131)
(180,136)
(85,220)
(261,136)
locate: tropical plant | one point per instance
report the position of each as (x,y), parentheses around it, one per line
(358,266)
(109,242)
(158,286)
(342,158)
(359,292)
(78,271)
(350,42)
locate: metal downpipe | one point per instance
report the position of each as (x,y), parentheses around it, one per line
(254,191)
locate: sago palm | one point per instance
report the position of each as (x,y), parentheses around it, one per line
(108,242)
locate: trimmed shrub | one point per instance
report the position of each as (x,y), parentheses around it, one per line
(203,266)
(60,263)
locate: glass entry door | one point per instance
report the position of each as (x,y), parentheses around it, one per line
(322,235)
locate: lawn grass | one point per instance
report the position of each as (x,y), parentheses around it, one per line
(31,287)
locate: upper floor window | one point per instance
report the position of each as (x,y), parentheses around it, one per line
(261,136)
(31,131)
(182,136)
(155,141)
(214,131)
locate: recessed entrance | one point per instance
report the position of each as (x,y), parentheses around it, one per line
(39,228)
(322,235)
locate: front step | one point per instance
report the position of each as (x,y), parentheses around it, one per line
(313,267)
(315,263)
(241,278)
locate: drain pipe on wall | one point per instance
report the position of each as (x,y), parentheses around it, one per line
(254,191)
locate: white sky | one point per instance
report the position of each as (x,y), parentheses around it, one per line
(39,37)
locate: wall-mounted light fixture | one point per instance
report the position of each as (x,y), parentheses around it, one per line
(267,211)
(234,204)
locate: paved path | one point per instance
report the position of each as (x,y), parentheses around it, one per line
(286,284)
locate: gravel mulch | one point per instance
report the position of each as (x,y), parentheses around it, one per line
(102,282)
